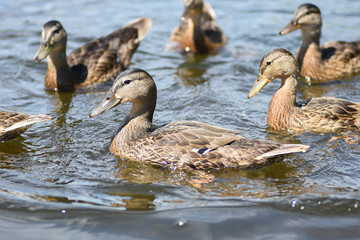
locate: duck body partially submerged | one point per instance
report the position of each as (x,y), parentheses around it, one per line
(94,63)
(182,144)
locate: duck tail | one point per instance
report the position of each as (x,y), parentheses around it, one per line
(142,25)
(28,122)
(284,149)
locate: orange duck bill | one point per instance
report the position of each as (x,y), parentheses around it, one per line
(292,26)
(260,82)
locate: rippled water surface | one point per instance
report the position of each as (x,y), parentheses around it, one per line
(58,180)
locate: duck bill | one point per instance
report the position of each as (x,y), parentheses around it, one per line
(108,103)
(292,26)
(43,52)
(258,85)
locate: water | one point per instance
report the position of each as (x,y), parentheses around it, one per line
(59,179)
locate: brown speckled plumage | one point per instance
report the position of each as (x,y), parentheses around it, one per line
(96,62)
(13,124)
(320,114)
(332,60)
(198,31)
(182,144)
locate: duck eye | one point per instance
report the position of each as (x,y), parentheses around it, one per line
(268,62)
(127,81)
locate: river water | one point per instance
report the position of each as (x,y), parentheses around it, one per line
(59,181)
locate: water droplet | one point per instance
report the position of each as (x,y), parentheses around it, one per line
(181,222)
(319,202)
(187,49)
(302,208)
(63,211)
(356,205)
(293,203)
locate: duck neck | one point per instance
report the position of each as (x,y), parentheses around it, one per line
(59,74)
(198,33)
(283,104)
(310,36)
(136,125)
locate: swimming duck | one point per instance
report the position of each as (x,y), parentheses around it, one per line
(198,31)
(12,124)
(332,60)
(182,144)
(93,63)
(323,114)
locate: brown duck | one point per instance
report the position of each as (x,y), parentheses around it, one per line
(332,60)
(182,144)
(13,124)
(323,114)
(93,63)
(198,31)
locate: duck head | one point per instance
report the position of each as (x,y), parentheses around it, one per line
(53,38)
(306,15)
(279,63)
(132,85)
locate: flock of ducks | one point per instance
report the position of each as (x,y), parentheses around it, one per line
(193,144)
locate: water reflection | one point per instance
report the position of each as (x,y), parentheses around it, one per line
(135,202)
(140,173)
(14,146)
(279,178)
(308,92)
(191,71)
(62,103)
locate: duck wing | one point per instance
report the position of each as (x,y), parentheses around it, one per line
(333,113)
(342,57)
(97,61)
(209,25)
(13,124)
(197,145)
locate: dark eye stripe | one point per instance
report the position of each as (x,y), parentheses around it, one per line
(310,11)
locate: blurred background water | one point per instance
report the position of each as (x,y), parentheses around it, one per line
(59,181)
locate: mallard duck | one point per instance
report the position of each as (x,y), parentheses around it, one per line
(332,60)
(12,124)
(198,31)
(182,144)
(323,114)
(93,63)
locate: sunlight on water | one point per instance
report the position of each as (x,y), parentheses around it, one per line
(63,170)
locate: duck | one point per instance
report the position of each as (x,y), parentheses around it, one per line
(180,144)
(12,124)
(91,64)
(333,60)
(198,31)
(321,114)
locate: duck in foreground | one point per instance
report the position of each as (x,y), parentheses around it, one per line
(198,31)
(332,60)
(13,124)
(182,144)
(93,63)
(323,114)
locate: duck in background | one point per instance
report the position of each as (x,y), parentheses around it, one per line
(330,61)
(323,114)
(13,124)
(93,63)
(182,144)
(198,31)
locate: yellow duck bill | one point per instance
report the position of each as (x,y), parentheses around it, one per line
(258,85)
(108,103)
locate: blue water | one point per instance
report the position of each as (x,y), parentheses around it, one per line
(59,181)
